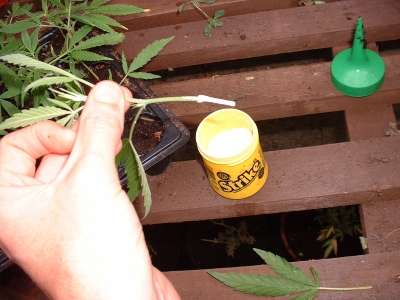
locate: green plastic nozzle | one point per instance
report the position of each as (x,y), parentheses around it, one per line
(356,71)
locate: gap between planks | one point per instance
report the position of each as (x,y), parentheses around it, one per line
(276,93)
(269,32)
(300,179)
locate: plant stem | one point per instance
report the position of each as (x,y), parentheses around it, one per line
(90,71)
(345,289)
(131,130)
(200,10)
(123,79)
(68,24)
(200,98)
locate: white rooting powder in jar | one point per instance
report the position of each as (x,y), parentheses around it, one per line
(230,143)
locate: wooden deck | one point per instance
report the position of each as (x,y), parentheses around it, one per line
(364,170)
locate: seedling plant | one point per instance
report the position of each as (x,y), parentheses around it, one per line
(212,22)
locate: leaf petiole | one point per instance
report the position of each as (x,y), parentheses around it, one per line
(345,289)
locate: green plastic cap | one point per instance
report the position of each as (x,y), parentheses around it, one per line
(358,72)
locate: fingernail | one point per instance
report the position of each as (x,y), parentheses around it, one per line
(108,92)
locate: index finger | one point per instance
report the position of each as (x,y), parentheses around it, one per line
(20,149)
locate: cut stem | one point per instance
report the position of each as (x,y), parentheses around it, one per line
(345,289)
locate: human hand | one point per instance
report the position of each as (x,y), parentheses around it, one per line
(67,222)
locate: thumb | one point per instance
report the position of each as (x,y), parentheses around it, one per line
(101,123)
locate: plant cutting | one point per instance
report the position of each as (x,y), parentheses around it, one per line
(288,280)
(213,22)
(65,112)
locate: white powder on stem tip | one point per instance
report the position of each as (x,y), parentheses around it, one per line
(229,143)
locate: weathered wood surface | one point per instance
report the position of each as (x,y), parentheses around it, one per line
(269,32)
(379,270)
(275,93)
(369,120)
(382,225)
(300,179)
(164,12)
(198,285)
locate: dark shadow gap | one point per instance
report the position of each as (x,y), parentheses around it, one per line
(244,65)
(287,133)
(229,242)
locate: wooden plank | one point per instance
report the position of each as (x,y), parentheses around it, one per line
(382,225)
(276,93)
(379,270)
(164,12)
(300,179)
(369,120)
(270,32)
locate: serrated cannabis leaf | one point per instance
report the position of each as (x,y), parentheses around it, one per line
(101,40)
(289,280)
(124,63)
(93,21)
(148,53)
(80,34)
(17,27)
(126,159)
(143,75)
(146,193)
(117,9)
(30,116)
(47,81)
(260,285)
(25,61)
(282,267)
(10,108)
(310,295)
(83,55)
(106,20)
(59,103)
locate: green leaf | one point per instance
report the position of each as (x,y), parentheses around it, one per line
(83,55)
(143,75)
(64,121)
(93,21)
(146,193)
(59,103)
(96,3)
(10,93)
(309,295)
(107,20)
(260,285)
(78,35)
(26,40)
(48,81)
(35,39)
(17,27)
(126,159)
(148,53)
(117,9)
(2,132)
(9,107)
(30,116)
(124,63)
(101,40)
(25,61)
(282,267)
(219,14)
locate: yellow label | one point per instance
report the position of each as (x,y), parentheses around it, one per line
(240,180)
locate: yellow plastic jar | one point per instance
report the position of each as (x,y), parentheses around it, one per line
(235,176)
